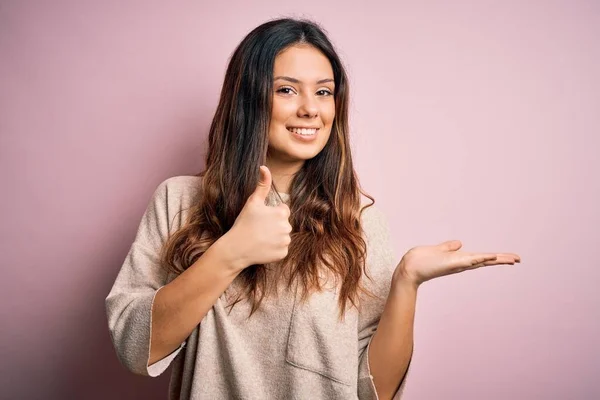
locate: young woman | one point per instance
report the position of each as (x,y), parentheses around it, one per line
(269,275)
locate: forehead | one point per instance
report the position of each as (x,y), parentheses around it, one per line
(303,62)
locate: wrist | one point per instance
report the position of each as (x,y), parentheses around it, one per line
(402,291)
(404,280)
(227,248)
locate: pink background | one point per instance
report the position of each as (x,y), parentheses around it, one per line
(474,120)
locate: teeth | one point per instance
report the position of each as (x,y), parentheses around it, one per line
(303,131)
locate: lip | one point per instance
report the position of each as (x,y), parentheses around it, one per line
(302,138)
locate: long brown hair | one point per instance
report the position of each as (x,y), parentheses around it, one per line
(325,195)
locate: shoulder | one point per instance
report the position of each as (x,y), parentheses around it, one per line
(186,184)
(178,189)
(381,255)
(174,196)
(374,221)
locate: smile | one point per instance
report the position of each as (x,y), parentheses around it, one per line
(304,131)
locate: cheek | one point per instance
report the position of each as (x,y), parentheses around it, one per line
(329,114)
(281,111)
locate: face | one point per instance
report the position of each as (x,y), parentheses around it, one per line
(303,105)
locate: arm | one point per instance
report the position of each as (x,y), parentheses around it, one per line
(391,347)
(180,305)
(149,318)
(386,321)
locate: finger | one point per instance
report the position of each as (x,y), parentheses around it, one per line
(450,245)
(482,258)
(264,184)
(471,260)
(499,262)
(285,209)
(509,256)
(485,264)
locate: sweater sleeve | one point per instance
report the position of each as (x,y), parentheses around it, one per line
(129,303)
(381,262)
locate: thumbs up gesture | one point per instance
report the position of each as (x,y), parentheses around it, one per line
(261,233)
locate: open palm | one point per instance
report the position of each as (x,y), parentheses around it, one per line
(424,263)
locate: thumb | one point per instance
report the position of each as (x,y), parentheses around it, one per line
(450,245)
(264,184)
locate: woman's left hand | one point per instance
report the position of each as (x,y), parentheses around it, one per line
(424,263)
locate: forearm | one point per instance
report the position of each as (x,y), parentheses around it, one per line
(181,304)
(392,344)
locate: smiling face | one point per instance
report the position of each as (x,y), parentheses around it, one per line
(303,106)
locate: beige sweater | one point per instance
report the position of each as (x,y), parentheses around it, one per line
(286,350)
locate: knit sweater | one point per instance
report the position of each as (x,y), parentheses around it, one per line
(288,349)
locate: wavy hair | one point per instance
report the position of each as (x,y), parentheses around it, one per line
(325,195)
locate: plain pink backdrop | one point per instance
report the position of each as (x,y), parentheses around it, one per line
(475,120)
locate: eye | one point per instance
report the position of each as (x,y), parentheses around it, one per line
(285,90)
(325,92)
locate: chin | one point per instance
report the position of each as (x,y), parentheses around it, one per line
(302,155)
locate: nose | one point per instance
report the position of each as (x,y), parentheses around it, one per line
(308,107)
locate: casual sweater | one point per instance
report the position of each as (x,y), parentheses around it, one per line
(288,349)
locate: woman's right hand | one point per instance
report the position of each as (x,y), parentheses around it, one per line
(260,233)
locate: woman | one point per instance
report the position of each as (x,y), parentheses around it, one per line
(268,276)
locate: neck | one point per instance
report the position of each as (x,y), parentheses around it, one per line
(283,173)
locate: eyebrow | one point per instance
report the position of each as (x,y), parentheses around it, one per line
(294,80)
